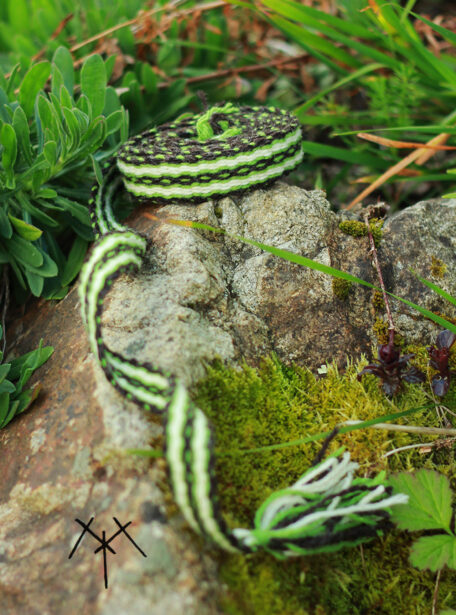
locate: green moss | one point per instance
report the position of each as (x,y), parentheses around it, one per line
(375,226)
(341,288)
(381,331)
(378,302)
(380,328)
(355,228)
(275,404)
(438,267)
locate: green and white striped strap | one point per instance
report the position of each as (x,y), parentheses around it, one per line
(218,152)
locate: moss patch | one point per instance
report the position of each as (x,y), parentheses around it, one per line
(378,302)
(275,404)
(341,288)
(438,267)
(356,228)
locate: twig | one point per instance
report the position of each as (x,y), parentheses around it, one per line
(402,144)
(373,249)
(410,446)
(434,431)
(436,592)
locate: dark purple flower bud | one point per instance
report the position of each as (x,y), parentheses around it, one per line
(388,353)
(390,368)
(440,385)
(445,339)
(439,356)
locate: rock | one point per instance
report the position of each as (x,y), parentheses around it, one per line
(198,296)
(202,296)
(418,238)
(65,459)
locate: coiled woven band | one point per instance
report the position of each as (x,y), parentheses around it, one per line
(219,152)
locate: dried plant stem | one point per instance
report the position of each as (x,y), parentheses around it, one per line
(420,445)
(373,250)
(420,156)
(436,592)
(434,431)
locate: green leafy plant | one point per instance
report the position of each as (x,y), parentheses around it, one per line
(51,141)
(382,74)
(429,509)
(14,375)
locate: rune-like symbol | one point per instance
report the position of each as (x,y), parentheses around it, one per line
(104,546)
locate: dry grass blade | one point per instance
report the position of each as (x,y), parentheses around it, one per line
(420,156)
(402,144)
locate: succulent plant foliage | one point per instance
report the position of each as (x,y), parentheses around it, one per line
(56,126)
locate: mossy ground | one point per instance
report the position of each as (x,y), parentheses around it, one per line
(275,404)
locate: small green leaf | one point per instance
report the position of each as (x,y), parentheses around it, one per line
(24,251)
(64,60)
(32,359)
(25,230)
(434,552)
(50,152)
(75,260)
(46,193)
(7,387)
(112,102)
(4,407)
(93,83)
(9,141)
(48,117)
(97,169)
(73,128)
(39,214)
(6,230)
(65,98)
(26,398)
(149,79)
(33,82)
(11,413)
(35,282)
(4,369)
(85,107)
(26,374)
(113,122)
(75,209)
(48,269)
(429,505)
(56,80)
(22,131)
